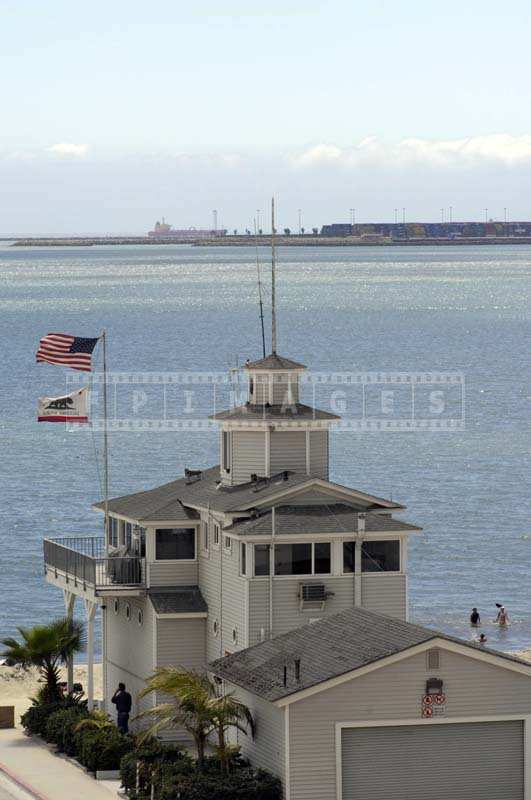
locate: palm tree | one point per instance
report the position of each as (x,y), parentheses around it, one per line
(98,721)
(198,707)
(46,647)
(189,707)
(228,712)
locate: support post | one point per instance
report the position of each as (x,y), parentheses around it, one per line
(69,599)
(90,611)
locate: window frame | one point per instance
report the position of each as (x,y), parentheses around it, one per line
(205,537)
(227,549)
(312,574)
(177,560)
(397,542)
(216,535)
(244,561)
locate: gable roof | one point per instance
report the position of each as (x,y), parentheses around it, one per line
(326,518)
(175,501)
(336,645)
(274,361)
(294,412)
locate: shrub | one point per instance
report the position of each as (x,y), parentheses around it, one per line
(35,719)
(60,728)
(102,749)
(169,761)
(242,784)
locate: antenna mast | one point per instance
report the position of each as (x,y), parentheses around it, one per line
(259,290)
(273,264)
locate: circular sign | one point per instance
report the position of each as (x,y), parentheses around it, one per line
(428,699)
(440,699)
(427,712)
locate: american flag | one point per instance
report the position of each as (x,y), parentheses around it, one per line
(72,351)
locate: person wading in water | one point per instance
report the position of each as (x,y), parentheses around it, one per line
(475,619)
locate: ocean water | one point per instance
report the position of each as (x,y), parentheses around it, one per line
(177,308)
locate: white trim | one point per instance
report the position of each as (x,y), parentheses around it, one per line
(287,772)
(525,718)
(183,615)
(444,644)
(308,453)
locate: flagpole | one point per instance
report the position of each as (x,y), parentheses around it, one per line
(105,439)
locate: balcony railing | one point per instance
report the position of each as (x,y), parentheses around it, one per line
(83,561)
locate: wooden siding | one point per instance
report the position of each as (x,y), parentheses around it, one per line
(286,611)
(248,455)
(267,750)
(319,454)
(173,573)
(385,594)
(393,693)
(128,649)
(181,643)
(288,451)
(219,580)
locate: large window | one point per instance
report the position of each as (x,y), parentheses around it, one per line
(114,525)
(349,556)
(294,559)
(128,533)
(261,560)
(225,451)
(175,544)
(380,556)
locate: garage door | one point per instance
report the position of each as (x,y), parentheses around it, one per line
(473,761)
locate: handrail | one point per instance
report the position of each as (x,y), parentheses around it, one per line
(87,562)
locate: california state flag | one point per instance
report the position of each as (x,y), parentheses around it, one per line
(68,408)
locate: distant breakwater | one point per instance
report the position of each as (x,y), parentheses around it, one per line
(265,241)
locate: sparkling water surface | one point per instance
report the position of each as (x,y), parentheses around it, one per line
(182,308)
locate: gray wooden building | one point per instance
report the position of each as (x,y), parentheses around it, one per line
(294,589)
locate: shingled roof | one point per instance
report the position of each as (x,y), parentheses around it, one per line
(175,501)
(334,646)
(326,518)
(292,413)
(274,361)
(178,600)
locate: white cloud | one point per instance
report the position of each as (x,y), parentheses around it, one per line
(68,149)
(501,148)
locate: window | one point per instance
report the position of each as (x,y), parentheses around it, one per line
(216,535)
(227,544)
(349,556)
(141,541)
(261,560)
(116,606)
(204,527)
(321,565)
(234,636)
(293,559)
(128,533)
(140,617)
(380,556)
(215,627)
(251,386)
(225,451)
(243,558)
(127,611)
(113,525)
(175,544)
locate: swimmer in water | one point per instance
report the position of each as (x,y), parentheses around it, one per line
(482,639)
(475,619)
(502,617)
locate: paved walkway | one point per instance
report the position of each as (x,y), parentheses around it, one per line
(45,776)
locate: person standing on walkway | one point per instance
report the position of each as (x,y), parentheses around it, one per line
(475,619)
(123,702)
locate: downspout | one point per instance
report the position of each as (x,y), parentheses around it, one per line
(271,570)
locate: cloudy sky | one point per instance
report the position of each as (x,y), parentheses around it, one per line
(116,113)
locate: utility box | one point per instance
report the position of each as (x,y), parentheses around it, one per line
(7,716)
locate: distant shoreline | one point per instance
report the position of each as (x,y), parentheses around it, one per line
(265,241)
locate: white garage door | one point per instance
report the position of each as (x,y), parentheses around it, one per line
(473,761)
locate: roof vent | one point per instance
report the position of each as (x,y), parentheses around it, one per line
(193,475)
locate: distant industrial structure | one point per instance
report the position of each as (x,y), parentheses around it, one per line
(163,230)
(426,230)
